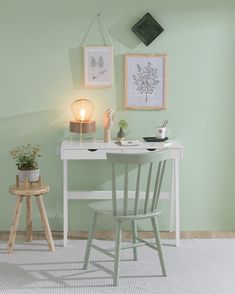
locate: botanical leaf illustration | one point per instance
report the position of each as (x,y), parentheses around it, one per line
(101,62)
(97,67)
(93,61)
(145,80)
(103,71)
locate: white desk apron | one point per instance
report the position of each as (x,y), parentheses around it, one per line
(74,150)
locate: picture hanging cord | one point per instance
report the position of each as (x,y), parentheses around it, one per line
(103,29)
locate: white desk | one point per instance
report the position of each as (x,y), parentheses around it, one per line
(74,150)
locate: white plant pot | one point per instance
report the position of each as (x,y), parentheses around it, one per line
(32,175)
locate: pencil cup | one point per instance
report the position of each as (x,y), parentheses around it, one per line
(161,133)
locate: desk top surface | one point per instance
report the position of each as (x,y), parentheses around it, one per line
(99,144)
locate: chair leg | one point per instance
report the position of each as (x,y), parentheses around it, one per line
(89,241)
(14,225)
(134,235)
(158,243)
(117,252)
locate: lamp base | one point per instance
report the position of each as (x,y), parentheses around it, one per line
(82,127)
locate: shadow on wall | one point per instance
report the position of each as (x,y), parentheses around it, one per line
(103,98)
(47,129)
(76,54)
(119,73)
(26,127)
(42,127)
(121,31)
(77,67)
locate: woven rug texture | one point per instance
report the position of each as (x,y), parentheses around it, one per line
(198,266)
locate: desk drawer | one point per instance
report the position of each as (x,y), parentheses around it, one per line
(140,150)
(88,154)
(174,153)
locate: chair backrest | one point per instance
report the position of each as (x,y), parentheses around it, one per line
(155,162)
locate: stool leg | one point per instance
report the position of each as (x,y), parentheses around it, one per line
(14,225)
(29,223)
(45,223)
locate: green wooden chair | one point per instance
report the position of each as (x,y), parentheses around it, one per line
(132,210)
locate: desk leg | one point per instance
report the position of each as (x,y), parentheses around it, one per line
(177,203)
(65,201)
(174,201)
(172,195)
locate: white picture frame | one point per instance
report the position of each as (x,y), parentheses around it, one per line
(145,81)
(98,66)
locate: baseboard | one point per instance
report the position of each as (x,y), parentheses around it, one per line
(109,235)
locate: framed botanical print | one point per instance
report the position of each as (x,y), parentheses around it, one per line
(98,66)
(145,81)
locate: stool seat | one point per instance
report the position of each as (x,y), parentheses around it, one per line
(28,189)
(32,190)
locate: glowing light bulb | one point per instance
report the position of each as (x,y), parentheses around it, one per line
(82,114)
(82,110)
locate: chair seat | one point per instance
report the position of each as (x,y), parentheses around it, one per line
(105,207)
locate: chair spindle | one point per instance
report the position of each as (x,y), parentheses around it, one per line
(137,192)
(114,195)
(156,186)
(160,184)
(148,187)
(125,202)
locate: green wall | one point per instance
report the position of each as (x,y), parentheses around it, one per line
(41,73)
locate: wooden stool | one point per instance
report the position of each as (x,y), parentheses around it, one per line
(28,189)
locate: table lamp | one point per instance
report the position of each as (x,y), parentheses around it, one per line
(82,110)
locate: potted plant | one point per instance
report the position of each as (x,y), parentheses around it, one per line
(26,161)
(122,126)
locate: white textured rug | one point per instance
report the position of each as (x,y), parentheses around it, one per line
(198,266)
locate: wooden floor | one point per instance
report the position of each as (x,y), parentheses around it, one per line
(107,235)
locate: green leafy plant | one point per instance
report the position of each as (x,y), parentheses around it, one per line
(123,124)
(26,156)
(121,134)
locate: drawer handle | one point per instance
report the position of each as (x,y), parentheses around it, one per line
(92,150)
(151,149)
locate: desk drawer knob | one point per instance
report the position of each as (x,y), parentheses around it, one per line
(151,149)
(92,150)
